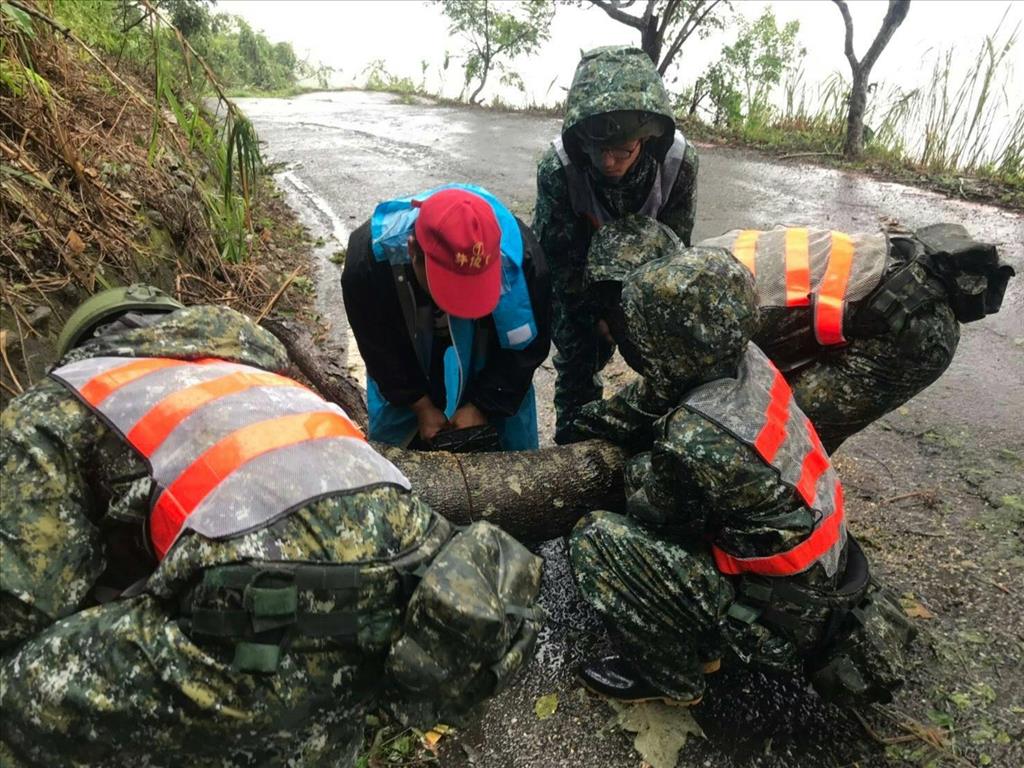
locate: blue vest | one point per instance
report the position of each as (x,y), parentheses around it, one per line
(390,226)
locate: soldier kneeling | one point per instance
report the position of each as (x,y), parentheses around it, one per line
(857,323)
(735,540)
(205,563)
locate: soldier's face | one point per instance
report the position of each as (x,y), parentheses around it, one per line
(615,160)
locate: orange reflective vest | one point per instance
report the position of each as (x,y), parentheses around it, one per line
(822,269)
(231,448)
(758,408)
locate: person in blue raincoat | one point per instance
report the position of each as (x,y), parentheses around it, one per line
(449,299)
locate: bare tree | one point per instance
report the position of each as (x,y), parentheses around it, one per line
(861,70)
(674,21)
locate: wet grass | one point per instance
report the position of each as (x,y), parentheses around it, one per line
(961,131)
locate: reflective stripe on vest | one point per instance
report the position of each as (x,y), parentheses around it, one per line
(758,408)
(799,267)
(231,448)
(584,199)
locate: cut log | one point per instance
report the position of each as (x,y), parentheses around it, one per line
(534,495)
(319,365)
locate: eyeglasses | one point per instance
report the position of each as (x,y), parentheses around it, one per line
(620,152)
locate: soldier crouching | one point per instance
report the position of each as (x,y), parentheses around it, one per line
(204,563)
(735,541)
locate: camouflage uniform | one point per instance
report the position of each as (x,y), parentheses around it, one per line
(607,80)
(841,388)
(650,572)
(123,682)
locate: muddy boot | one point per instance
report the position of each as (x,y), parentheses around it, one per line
(615,678)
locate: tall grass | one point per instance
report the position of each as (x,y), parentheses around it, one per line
(965,117)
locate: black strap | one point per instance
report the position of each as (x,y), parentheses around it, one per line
(217,622)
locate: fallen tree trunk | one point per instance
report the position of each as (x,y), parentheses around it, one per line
(534,495)
(319,365)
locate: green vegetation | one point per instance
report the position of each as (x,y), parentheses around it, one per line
(117,166)
(944,130)
(184,61)
(495,32)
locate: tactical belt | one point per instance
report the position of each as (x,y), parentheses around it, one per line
(257,608)
(270,616)
(759,597)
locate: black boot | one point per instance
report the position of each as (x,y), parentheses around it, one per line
(615,678)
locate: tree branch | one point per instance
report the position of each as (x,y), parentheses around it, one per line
(897,12)
(666,16)
(684,34)
(618,15)
(848,48)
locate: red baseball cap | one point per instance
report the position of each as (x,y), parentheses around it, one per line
(461,240)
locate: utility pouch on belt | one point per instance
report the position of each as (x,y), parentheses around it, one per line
(470,625)
(865,660)
(809,617)
(971,270)
(264,609)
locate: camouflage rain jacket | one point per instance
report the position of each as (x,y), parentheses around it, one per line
(75,499)
(691,479)
(607,80)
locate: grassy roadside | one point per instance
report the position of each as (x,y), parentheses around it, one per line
(108,180)
(824,148)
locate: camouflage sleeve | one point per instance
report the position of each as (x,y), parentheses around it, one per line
(664,490)
(626,418)
(554,225)
(681,210)
(553,220)
(50,551)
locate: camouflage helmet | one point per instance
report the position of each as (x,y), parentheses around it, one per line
(617,95)
(622,245)
(108,305)
(689,316)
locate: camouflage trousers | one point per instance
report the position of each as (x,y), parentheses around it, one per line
(121,684)
(667,604)
(578,367)
(847,388)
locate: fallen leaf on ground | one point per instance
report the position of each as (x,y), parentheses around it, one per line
(75,242)
(434,735)
(661,730)
(546,706)
(915,609)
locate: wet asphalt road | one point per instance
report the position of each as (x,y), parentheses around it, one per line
(344,152)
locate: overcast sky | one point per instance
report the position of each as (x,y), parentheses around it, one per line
(348,35)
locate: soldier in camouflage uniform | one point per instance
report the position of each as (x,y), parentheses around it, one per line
(262,648)
(723,551)
(618,153)
(896,328)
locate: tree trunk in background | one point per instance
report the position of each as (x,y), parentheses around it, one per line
(318,363)
(853,146)
(534,495)
(860,70)
(651,40)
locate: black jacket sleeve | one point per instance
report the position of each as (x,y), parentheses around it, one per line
(499,388)
(375,316)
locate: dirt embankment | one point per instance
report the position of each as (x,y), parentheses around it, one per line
(101,187)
